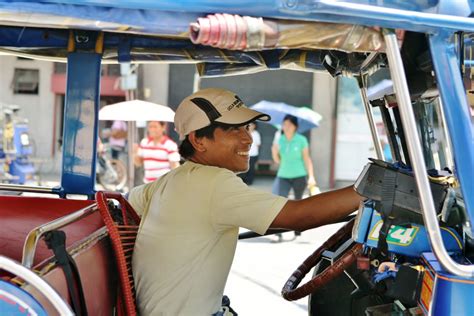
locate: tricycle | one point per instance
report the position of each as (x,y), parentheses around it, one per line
(409,250)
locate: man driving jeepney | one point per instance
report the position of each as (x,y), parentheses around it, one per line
(191,216)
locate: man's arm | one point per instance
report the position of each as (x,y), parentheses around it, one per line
(318,210)
(135,198)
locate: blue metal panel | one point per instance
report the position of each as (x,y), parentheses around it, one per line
(158,16)
(23,169)
(91,17)
(362,225)
(31,37)
(18,302)
(456,108)
(452,295)
(81,123)
(22,149)
(193,5)
(412,246)
(12,36)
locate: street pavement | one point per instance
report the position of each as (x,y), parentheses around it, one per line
(261,267)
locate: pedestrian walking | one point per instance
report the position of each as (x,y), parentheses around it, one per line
(118,138)
(249,176)
(295,169)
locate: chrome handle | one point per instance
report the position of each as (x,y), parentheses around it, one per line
(29,248)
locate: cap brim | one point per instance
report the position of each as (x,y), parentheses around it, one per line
(243,116)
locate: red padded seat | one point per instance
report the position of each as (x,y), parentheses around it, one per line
(19,215)
(98,272)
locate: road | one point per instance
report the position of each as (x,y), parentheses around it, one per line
(261,267)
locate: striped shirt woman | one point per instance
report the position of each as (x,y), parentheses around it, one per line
(157,153)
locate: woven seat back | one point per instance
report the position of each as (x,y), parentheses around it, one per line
(123,228)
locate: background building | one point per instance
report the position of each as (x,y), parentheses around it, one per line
(38,87)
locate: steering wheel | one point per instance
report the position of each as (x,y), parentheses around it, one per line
(291,293)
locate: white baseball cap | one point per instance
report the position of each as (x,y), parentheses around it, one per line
(206,106)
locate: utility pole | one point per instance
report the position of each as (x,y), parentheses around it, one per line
(128,83)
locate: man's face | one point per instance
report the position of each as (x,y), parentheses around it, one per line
(229,149)
(155,129)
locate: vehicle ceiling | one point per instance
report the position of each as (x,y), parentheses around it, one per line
(158,31)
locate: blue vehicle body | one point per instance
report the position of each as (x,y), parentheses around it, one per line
(437,18)
(450,294)
(16,148)
(87,33)
(414,245)
(18,302)
(21,166)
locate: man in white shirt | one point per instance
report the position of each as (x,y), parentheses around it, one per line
(249,176)
(191,216)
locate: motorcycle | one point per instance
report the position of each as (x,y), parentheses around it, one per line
(110,173)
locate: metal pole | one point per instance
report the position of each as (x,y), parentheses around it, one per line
(370,119)
(131,139)
(196,82)
(416,155)
(26,188)
(29,247)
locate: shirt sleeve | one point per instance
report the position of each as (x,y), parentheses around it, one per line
(136,199)
(234,204)
(173,154)
(140,197)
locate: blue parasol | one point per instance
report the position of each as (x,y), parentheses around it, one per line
(307,118)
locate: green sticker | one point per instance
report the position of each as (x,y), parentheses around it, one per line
(398,235)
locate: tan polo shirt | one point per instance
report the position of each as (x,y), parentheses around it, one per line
(190,224)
